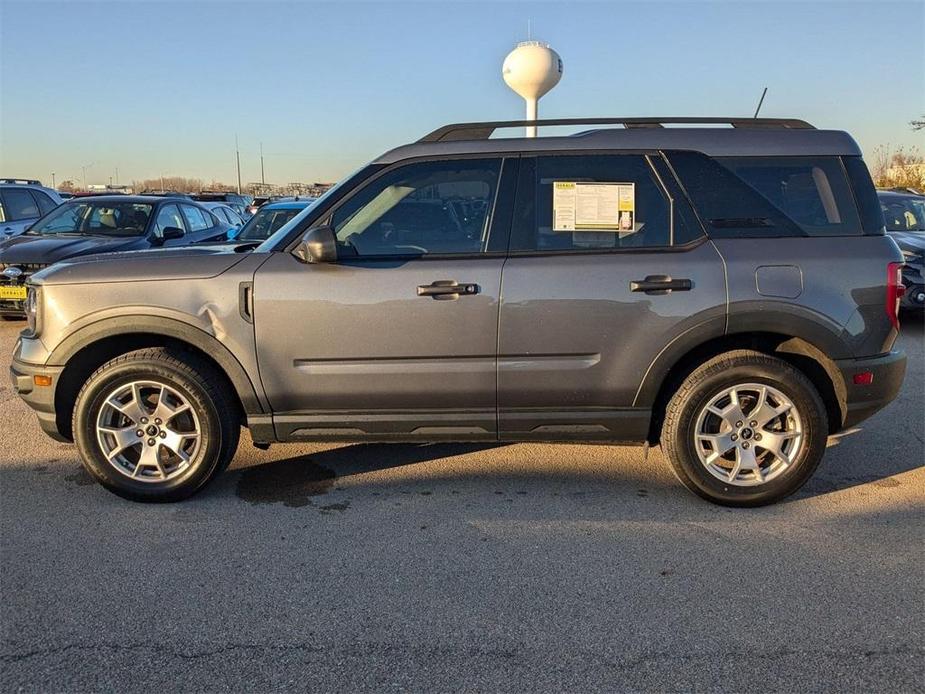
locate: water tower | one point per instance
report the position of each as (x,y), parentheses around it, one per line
(531,70)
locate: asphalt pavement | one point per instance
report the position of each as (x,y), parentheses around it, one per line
(460,567)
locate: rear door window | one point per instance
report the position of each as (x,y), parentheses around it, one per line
(196,219)
(591,202)
(168,216)
(811,191)
(19,204)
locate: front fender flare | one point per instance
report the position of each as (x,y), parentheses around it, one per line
(169,327)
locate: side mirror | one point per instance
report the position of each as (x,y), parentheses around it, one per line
(318,245)
(157,239)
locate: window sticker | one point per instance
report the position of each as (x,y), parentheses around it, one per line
(594,206)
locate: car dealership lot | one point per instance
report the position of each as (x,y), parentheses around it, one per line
(521,567)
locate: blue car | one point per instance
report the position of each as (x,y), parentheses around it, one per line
(268,219)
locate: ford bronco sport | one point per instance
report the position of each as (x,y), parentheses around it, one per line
(727,291)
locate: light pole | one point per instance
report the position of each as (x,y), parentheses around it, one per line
(84,170)
(237,158)
(263,180)
(52,179)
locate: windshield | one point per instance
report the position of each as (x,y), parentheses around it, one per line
(264,223)
(904,214)
(95,219)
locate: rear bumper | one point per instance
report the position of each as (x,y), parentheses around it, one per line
(862,401)
(39,398)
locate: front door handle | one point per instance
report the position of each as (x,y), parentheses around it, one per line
(444,290)
(660,284)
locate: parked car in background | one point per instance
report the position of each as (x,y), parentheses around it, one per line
(225,214)
(100,224)
(726,291)
(234,200)
(22,201)
(269,218)
(904,217)
(65,196)
(166,194)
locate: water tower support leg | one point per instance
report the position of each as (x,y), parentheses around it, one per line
(530,130)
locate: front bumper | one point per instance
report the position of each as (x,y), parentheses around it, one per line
(862,401)
(39,398)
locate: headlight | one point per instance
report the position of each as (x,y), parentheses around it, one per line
(32,308)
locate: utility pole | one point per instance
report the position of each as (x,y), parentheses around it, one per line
(263,180)
(84,170)
(52,179)
(117,175)
(237,157)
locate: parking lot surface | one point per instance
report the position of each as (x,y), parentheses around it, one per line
(430,568)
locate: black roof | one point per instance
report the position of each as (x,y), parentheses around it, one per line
(712,136)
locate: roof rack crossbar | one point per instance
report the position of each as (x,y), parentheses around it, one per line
(483,131)
(21,181)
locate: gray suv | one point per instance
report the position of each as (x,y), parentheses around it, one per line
(727,291)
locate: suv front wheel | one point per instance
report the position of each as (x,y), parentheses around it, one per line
(745,429)
(152,427)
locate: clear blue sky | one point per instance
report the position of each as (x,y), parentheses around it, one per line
(161,88)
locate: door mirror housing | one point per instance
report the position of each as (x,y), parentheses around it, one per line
(317,245)
(167,234)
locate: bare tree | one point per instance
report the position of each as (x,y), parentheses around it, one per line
(898,168)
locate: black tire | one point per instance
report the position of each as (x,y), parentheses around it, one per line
(202,387)
(710,379)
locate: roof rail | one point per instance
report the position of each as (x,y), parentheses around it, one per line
(20,181)
(483,131)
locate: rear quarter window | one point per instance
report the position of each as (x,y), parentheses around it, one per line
(812,191)
(761,197)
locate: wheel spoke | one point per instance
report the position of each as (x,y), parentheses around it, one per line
(133,409)
(734,472)
(767,413)
(746,458)
(774,443)
(733,413)
(148,459)
(174,441)
(720,443)
(125,437)
(164,411)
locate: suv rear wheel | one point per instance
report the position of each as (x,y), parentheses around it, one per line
(745,429)
(150,427)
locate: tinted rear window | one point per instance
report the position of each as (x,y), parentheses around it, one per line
(811,191)
(770,196)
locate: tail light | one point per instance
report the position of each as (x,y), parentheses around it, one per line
(894,291)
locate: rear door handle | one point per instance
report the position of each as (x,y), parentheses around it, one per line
(660,284)
(447,289)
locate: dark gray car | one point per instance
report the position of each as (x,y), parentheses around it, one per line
(726,291)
